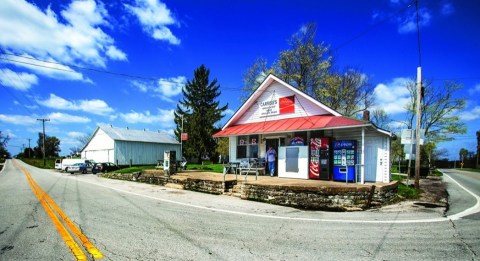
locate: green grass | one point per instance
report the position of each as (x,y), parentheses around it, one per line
(218,168)
(406,191)
(436,173)
(470,169)
(50,163)
(134,169)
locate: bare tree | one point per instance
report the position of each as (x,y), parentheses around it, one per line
(306,63)
(438,110)
(83,140)
(380,119)
(347,92)
(254,76)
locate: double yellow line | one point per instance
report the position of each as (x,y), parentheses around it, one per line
(54,212)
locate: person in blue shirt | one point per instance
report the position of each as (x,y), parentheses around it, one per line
(270,159)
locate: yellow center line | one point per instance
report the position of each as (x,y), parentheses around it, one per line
(49,205)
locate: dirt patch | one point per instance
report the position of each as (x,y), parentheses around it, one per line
(434,198)
(434,191)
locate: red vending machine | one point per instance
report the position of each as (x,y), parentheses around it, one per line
(319,158)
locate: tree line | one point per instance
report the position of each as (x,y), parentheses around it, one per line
(309,66)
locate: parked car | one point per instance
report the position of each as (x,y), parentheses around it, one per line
(66,163)
(104,167)
(80,167)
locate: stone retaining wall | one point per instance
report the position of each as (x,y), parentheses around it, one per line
(305,197)
(328,198)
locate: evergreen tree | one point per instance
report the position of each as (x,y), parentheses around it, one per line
(200,111)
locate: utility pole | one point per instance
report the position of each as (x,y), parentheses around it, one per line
(43,121)
(418,125)
(419,101)
(29,148)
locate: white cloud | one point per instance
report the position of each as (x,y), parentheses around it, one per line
(18,119)
(164,88)
(392,97)
(229,112)
(170,87)
(75,134)
(474,89)
(75,37)
(94,106)
(16,80)
(408,23)
(163,118)
(47,67)
(115,53)
(58,117)
(154,17)
(141,86)
(447,8)
(471,115)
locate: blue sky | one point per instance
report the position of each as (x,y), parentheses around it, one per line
(161,43)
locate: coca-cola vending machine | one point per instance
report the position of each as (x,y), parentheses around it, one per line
(319,158)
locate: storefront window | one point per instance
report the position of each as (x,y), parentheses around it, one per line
(247,147)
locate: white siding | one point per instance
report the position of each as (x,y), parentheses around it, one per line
(142,153)
(376,151)
(100,148)
(233,148)
(303,107)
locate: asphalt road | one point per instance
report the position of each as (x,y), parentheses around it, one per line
(134,221)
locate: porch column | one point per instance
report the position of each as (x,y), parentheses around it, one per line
(362,161)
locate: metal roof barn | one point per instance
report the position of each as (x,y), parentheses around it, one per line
(124,146)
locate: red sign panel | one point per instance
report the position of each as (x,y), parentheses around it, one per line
(184,136)
(287,104)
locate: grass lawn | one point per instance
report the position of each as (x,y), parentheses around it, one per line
(134,169)
(50,163)
(469,169)
(218,168)
(406,191)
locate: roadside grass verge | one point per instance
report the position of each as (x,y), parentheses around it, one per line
(470,169)
(436,173)
(134,169)
(405,191)
(49,163)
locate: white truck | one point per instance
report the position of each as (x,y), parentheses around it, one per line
(69,162)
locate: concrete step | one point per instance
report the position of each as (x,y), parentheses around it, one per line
(174,186)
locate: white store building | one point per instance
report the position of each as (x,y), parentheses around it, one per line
(287,119)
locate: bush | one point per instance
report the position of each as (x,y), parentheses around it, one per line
(424,171)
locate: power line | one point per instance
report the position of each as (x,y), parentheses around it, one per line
(371,28)
(74,66)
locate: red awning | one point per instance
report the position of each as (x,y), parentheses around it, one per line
(294,124)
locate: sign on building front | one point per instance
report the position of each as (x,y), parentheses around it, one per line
(275,106)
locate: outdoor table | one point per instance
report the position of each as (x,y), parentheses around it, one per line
(231,166)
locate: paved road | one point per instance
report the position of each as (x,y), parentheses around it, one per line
(134,221)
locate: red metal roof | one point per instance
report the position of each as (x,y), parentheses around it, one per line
(293,124)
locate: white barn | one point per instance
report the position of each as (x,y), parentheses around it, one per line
(124,146)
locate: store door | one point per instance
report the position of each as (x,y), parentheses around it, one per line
(372,158)
(274,144)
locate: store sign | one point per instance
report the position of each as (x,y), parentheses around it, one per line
(278,106)
(287,104)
